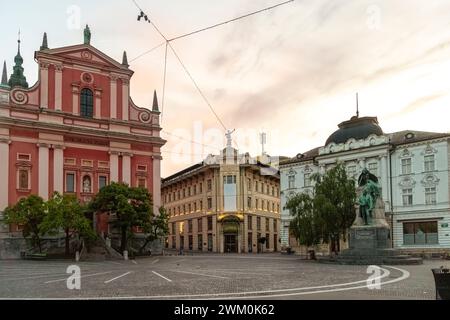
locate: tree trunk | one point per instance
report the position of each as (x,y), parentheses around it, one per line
(38,240)
(144,245)
(67,242)
(123,242)
(338,243)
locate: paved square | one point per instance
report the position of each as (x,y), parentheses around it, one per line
(214,277)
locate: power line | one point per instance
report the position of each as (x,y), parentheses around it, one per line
(182,138)
(182,64)
(231,20)
(197,87)
(164,84)
(147,52)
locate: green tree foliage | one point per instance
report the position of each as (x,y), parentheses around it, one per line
(66,213)
(303,225)
(132,207)
(329,213)
(335,203)
(29,213)
(156,227)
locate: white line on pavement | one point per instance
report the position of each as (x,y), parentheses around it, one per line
(86,276)
(200,274)
(162,276)
(122,275)
(153,262)
(134,261)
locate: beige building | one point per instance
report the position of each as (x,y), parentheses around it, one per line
(227,204)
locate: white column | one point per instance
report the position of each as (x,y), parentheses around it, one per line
(114,166)
(98,104)
(126,168)
(58,168)
(43,171)
(4,168)
(384,179)
(362,163)
(75,100)
(113,99)
(58,87)
(157,184)
(125,97)
(43,71)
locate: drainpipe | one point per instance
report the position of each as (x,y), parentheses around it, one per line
(390,152)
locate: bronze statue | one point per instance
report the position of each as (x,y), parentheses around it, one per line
(370,193)
(87,35)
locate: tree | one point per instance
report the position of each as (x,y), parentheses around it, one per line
(156,227)
(29,213)
(132,207)
(334,204)
(65,212)
(304,225)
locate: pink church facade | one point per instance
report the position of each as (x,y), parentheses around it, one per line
(75,130)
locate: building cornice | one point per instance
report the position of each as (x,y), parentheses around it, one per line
(65,129)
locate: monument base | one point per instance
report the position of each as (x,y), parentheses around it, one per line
(371,245)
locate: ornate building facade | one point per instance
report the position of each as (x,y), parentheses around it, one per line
(412,167)
(226,204)
(75,130)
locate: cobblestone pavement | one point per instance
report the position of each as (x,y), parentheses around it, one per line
(215,277)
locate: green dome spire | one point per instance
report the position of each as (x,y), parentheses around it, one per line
(18,78)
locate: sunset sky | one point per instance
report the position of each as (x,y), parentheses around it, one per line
(292,72)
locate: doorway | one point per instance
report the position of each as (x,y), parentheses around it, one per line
(230,243)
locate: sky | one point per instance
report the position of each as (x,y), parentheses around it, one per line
(292,72)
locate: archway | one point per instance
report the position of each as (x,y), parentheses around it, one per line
(230,229)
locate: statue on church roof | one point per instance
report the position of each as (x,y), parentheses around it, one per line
(87,35)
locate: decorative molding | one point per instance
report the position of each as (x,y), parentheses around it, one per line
(19,97)
(406,154)
(58,146)
(4,140)
(44,65)
(407,182)
(307,169)
(43,145)
(145,117)
(58,67)
(86,55)
(352,144)
(430,180)
(429,150)
(87,77)
(86,141)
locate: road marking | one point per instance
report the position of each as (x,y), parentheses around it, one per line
(134,261)
(238,295)
(122,275)
(200,274)
(153,262)
(115,263)
(233,295)
(86,276)
(162,276)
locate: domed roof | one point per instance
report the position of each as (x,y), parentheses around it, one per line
(357,128)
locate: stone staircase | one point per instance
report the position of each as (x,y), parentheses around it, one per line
(99,251)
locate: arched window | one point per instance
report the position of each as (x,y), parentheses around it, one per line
(86,103)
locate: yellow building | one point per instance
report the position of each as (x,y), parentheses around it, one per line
(228,203)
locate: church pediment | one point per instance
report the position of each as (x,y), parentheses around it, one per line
(85,54)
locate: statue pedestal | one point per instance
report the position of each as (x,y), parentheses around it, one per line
(369,237)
